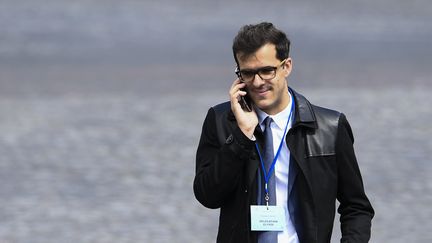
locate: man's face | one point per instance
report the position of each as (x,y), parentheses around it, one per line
(271,96)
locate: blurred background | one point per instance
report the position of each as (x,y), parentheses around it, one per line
(102,104)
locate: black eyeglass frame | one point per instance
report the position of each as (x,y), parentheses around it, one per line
(257,71)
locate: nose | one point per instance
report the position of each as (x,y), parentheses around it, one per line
(257,81)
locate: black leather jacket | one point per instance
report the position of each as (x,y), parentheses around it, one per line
(323,167)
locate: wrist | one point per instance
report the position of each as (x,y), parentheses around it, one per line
(248,133)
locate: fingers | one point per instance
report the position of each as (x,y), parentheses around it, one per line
(246,120)
(236,90)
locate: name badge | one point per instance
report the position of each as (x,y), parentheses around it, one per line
(267,218)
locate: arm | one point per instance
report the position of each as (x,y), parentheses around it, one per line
(219,166)
(355,209)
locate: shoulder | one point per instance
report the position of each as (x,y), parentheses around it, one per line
(332,122)
(222,112)
(322,127)
(325,115)
(314,115)
(220,118)
(222,108)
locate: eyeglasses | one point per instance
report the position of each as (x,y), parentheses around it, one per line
(265,73)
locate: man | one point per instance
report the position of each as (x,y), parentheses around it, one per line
(276,166)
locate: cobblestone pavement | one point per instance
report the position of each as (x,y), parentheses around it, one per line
(119,168)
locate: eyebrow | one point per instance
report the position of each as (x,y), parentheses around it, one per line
(250,69)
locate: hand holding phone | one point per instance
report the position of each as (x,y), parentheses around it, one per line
(242,107)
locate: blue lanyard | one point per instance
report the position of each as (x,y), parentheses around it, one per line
(268,175)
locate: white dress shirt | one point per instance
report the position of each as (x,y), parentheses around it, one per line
(289,235)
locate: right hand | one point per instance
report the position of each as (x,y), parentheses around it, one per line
(246,120)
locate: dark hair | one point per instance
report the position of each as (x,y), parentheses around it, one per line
(252,37)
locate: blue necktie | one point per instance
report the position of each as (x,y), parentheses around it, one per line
(268,236)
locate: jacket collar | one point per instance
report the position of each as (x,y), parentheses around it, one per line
(304,115)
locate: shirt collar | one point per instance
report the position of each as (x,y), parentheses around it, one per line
(280,119)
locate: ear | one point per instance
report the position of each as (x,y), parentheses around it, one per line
(288,67)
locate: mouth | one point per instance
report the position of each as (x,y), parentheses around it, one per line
(261,92)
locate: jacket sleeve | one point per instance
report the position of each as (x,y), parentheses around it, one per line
(355,210)
(219,161)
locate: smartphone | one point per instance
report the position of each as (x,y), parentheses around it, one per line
(245,102)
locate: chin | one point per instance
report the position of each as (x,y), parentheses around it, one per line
(263,105)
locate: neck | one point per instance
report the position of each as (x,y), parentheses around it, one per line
(284,102)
